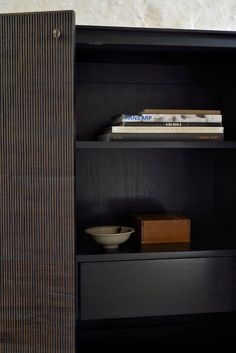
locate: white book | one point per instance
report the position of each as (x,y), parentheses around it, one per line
(166,129)
(180,111)
(187,118)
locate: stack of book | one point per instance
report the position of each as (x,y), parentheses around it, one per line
(166,125)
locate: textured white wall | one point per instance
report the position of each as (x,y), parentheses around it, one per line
(193,14)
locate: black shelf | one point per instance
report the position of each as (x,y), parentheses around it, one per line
(157,144)
(156,251)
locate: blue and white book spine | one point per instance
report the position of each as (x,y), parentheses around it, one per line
(188,118)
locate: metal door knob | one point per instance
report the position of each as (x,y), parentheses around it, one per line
(56,33)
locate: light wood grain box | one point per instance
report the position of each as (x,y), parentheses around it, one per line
(162,228)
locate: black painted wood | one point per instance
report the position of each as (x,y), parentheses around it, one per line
(126,70)
(113,81)
(190,333)
(156,144)
(113,184)
(153,37)
(157,287)
(106,89)
(152,252)
(225,200)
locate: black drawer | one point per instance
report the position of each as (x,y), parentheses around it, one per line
(144,288)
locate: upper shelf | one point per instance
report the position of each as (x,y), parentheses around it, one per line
(157,144)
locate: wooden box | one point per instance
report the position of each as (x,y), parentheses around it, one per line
(162,228)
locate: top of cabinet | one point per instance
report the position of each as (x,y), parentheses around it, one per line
(99,36)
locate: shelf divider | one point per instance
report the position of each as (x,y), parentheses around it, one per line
(157,144)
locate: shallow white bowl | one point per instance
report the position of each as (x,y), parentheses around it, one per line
(110,236)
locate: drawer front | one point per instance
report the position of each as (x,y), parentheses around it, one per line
(157,287)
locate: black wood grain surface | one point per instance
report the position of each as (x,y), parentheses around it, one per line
(157,288)
(113,184)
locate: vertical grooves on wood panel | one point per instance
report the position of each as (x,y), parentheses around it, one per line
(37,299)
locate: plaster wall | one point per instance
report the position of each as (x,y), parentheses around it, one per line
(190,14)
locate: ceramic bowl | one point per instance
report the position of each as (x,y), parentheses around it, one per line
(110,237)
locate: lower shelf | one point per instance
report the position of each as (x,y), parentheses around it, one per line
(155,251)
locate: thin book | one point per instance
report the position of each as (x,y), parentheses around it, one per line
(161,137)
(162,123)
(164,129)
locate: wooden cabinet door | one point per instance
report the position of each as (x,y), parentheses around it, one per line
(37,183)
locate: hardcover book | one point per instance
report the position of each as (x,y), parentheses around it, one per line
(161,137)
(159,123)
(171,118)
(181,111)
(164,129)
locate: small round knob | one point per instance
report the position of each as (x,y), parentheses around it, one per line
(56,33)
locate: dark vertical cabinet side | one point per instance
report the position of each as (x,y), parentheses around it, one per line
(37,183)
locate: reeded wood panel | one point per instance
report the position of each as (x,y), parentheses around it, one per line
(37,183)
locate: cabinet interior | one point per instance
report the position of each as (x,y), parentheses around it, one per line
(113,183)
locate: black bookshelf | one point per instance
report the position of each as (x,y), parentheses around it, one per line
(126,70)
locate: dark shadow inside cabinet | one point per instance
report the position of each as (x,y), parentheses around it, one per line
(200,184)
(194,179)
(202,333)
(117,82)
(113,183)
